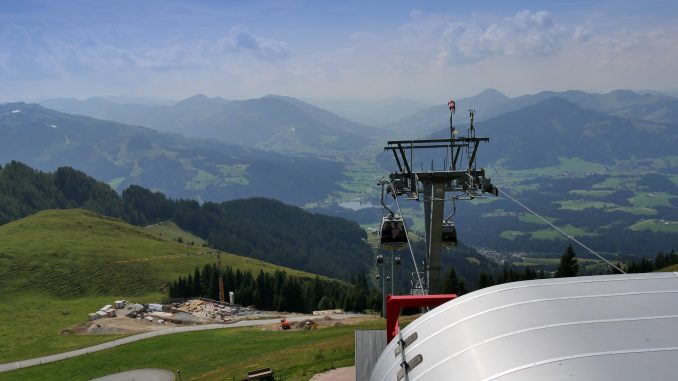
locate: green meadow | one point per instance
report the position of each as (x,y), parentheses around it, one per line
(57,266)
(222,354)
(656,226)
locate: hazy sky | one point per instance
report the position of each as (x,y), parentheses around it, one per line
(425,50)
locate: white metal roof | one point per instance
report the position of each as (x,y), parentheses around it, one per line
(613,327)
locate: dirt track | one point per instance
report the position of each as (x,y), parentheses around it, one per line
(141,336)
(119,325)
(140,374)
(341,374)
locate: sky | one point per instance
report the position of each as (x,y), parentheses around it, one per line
(421,50)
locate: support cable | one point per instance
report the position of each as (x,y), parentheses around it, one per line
(382,197)
(571,237)
(454,210)
(409,244)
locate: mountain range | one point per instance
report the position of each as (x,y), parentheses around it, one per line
(540,134)
(490,103)
(273,123)
(527,121)
(426,121)
(526,132)
(377,113)
(183,167)
(534,132)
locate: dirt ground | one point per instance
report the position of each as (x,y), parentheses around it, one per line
(341,374)
(125,325)
(321,322)
(118,325)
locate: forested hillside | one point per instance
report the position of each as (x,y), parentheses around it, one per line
(70,253)
(277,291)
(260,228)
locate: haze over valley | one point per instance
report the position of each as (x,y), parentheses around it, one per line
(229,168)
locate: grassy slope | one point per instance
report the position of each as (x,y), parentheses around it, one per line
(222,354)
(31,324)
(670,268)
(58,265)
(73,253)
(169,231)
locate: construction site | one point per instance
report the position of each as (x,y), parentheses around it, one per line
(123,317)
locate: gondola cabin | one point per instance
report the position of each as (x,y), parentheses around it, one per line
(393,236)
(449,238)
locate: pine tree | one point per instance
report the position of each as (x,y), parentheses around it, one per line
(196,288)
(325,303)
(529,274)
(569,265)
(485,280)
(461,288)
(451,283)
(660,261)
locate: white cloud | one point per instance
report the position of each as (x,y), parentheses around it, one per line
(583,33)
(34,55)
(643,54)
(428,56)
(27,54)
(524,34)
(240,39)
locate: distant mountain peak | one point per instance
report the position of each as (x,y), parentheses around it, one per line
(195,99)
(201,99)
(548,107)
(275,96)
(95,98)
(485,99)
(283,98)
(12,104)
(553,102)
(491,92)
(199,96)
(624,94)
(18,107)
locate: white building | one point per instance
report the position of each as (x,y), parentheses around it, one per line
(614,327)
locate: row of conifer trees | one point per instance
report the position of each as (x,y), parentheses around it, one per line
(277,290)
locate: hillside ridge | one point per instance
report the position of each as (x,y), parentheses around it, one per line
(77,252)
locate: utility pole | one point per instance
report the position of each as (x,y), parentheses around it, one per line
(382,271)
(392,274)
(383,264)
(222,297)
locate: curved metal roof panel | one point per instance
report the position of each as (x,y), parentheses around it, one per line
(613,327)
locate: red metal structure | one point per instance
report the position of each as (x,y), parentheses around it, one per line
(396,303)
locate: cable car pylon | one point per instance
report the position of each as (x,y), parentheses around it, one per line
(461,178)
